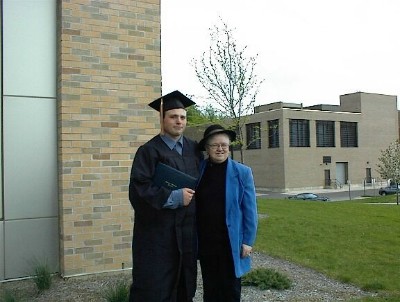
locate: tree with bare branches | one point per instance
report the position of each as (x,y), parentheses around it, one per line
(229,78)
(389,164)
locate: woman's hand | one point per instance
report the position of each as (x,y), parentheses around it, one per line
(246,250)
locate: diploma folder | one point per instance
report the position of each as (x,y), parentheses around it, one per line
(172,179)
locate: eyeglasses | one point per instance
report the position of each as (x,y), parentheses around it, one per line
(223,146)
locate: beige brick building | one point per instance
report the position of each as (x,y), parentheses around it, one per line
(292,147)
(76,76)
(323,147)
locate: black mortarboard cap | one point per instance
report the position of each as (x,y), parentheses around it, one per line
(172,100)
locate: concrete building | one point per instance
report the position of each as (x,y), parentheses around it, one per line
(292,147)
(76,77)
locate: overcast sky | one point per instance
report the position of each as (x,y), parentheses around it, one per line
(309,51)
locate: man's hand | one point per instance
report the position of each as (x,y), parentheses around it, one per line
(246,250)
(187,196)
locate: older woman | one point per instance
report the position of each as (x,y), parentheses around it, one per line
(226,217)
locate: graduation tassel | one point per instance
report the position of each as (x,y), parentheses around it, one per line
(162,116)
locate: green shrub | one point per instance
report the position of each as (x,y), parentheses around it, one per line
(7,296)
(265,278)
(42,276)
(373,286)
(117,293)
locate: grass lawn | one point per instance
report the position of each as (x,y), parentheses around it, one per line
(351,241)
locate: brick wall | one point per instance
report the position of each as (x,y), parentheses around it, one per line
(108,71)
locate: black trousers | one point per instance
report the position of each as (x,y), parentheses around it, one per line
(219,281)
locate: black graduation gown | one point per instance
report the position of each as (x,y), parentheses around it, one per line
(164,240)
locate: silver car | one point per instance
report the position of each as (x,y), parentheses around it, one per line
(309,196)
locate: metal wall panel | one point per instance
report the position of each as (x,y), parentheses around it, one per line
(29,242)
(2,265)
(29,47)
(30,159)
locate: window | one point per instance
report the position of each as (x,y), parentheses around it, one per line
(299,133)
(253,136)
(348,134)
(273,134)
(326,159)
(325,133)
(368,176)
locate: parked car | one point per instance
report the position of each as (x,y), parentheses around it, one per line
(389,190)
(308,196)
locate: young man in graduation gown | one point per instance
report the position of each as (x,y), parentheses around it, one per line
(164,244)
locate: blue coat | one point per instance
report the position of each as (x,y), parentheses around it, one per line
(241,211)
